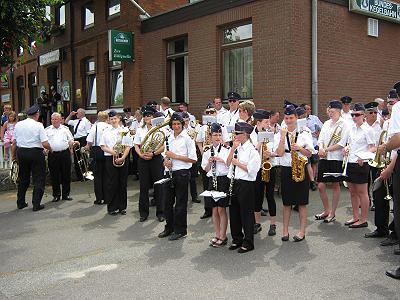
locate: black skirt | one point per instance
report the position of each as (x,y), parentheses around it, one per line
(329,166)
(294,193)
(222,186)
(357,174)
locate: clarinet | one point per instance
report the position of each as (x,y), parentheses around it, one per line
(171,182)
(230,193)
(214,170)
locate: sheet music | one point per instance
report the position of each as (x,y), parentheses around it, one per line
(209,119)
(365,155)
(301,123)
(265,136)
(213,194)
(163,180)
(156,121)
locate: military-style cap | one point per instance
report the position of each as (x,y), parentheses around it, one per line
(210,106)
(176,116)
(290,110)
(371,105)
(127,109)
(151,103)
(112,113)
(359,107)
(335,104)
(300,110)
(346,99)
(234,96)
(287,103)
(385,112)
(148,110)
(260,114)
(185,115)
(158,114)
(33,110)
(393,94)
(216,128)
(243,127)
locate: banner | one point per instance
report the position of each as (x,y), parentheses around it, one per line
(120,45)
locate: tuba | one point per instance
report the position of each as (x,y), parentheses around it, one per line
(154,138)
(298,163)
(266,165)
(14,171)
(119,148)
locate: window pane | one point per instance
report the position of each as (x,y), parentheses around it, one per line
(117,87)
(92,99)
(89,14)
(236,34)
(238,71)
(61,15)
(91,66)
(114,7)
(178,46)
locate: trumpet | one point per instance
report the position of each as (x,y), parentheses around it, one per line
(379,160)
(345,162)
(335,137)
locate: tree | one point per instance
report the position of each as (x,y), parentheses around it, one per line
(21,22)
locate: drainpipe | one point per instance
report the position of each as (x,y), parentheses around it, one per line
(140,8)
(314,49)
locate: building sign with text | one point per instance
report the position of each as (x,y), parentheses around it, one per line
(380,9)
(50,57)
(120,45)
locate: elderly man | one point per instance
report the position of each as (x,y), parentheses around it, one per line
(61,141)
(164,106)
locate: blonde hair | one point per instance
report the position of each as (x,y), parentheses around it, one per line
(165,101)
(248,106)
(102,116)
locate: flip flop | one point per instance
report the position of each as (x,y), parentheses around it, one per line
(330,219)
(320,217)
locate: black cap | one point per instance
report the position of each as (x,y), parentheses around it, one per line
(385,112)
(287,103)
(234,96)
(127,109)
(346,99)
(210,105)
(359,107)
(176,116)
(243,127)
(260,114)
(393,94)
(300,110)
(335,104)
(216,128)
(33,110)
(397,87)
(158,114)
(148,110)
(185,115)
(151,103)
(371,105)
(290,110)
(112,113)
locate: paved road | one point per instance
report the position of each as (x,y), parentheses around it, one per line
(74,250)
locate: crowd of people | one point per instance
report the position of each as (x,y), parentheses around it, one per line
(243,154)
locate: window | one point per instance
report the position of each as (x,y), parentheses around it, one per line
(237,61)
(117,84)
(90,81)
(20,93)
(88,15)
(373,27)
(60,16)
(32,86)
(178,72)
(114,7)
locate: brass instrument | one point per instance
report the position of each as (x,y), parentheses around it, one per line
(154,138)
(335,137)
(379,161)
(266,165)
(298,163)
(119,148)
(207,138)
(345,162)
(14,171)
(82,157)
(191,131)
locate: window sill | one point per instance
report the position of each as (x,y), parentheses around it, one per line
(114,16)
(88,26)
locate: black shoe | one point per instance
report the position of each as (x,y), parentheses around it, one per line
(313,185)
(37,208)
(365,224)
(298,239)
(113,213)
(122,212)
(195,200)
(176,236)
(23,206)
(376,234)
(142,219)
(390,241)
(244,250)
(98,202)
(67,198)
(285,238)
(160,219)
(395,273)
(350,222)
(152,202)
(165,233)
(272,230)
(206,215)
(257,228)
(56,199)
(234,246)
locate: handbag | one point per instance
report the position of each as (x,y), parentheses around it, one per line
(96,152)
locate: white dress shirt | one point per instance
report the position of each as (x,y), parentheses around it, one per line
(202,133)
(221,115)
(249,156)
(313,123)
(134,125)
(29,134)
(168,110)
(181,145)
(359,140)
(376,129)
(83,128)
(59,138)
(140,134)
(113,135)
(347,117)
(230,118)
(394,124)
(221,168)
(304,139)
(326,134)
(100,126)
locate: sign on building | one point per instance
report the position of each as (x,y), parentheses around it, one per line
(66,91)
(4,80)
(50,57)
(120,45)
(380,9)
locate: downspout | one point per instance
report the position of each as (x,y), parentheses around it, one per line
(140,8)
(314,50)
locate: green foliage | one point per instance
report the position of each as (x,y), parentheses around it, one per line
(22,21)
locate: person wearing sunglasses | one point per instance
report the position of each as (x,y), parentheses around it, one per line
(232,115)
(360,141)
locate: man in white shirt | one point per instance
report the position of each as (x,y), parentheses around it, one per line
(346,111)
(232,115)
(164,106)
(30,138)
(221,111)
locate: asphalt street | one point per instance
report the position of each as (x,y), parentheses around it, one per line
(74,250)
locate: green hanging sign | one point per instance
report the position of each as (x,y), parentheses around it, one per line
(120,45)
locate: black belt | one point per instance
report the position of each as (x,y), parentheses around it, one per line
(34,148)
(55,152)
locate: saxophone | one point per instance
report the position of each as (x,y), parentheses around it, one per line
(298,163)
(266,165)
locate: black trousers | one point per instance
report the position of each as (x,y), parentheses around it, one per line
(31,161)
(396,194)
(60,172)
(193,186)
(241,213)
(100,179)
(116,183)
(266,188)
(77,157)
(133,164)
(175,204)
(149,172)
(382,209)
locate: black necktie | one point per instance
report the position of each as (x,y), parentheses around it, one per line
(77,125)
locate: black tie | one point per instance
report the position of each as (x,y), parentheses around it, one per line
(77,125)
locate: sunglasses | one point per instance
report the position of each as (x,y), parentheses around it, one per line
(209,112)
(147,115)
(372,112)
(356,115)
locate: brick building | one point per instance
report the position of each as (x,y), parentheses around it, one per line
(262,49)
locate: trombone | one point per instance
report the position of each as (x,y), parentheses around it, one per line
(83,162)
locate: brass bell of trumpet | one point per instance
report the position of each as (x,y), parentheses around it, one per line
(378,162)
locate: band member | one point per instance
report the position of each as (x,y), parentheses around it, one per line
(361,140)
(331,141)
(116,169)
(183,108)
(80,129)
(274,122)
(246,110)
(346,111)
(164,106)
(99,161)
(59,158)
(294,148)
(150,167)
(262,118)
(245,163)
(30,138)
(180,154)
(232,116)
(214,163)
(220,110)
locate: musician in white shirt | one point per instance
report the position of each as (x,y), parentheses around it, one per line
(164,106)
(232,115)
(221,111)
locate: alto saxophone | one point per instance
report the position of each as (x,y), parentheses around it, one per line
(266,165)
(298,163)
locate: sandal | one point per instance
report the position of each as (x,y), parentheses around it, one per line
(213,241)
(321,216)
(330,219)
(220,243)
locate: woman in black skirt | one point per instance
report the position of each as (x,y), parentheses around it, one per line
(361,140)
(293,193)
(214,164)
(331,141)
